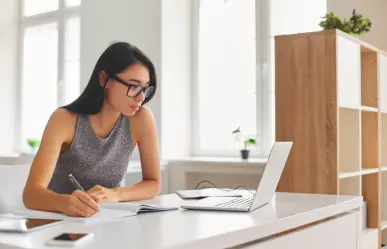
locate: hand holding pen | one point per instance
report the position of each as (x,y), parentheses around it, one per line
(79,203)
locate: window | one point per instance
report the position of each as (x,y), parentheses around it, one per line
(234,83)
(226,82)
(50,52)
(35,7)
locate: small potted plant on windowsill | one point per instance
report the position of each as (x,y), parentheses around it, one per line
(247,143)
(34,145)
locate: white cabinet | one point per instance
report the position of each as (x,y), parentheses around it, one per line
(383,82)
(369,239)
(348,73)
(339,233)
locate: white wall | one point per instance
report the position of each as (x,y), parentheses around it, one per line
(136,22)
(8,74)
(162,30)
(373,9)
(288,17)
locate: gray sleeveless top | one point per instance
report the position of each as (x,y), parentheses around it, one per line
(93,160)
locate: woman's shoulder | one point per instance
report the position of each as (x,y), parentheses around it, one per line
(141,122)
(143,117)
(62,120)
(61,125)
(64,116)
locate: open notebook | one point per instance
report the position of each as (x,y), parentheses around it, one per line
(108,211)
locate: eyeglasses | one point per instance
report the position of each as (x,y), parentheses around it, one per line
(133,89)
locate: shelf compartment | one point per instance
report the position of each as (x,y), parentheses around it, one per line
(384,224)
(370,191)
(383,82)
(384,201)
(348,73)
(384,238)
(349,140)
(350,186)
(383,124)
(369,79)
(369,135)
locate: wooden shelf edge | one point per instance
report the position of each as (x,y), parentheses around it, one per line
(358,108)
(343,175)
(369,171)
(369,230)
(365,45)
(369,109)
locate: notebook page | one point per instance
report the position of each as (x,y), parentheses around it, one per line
(136,207)
(103,215)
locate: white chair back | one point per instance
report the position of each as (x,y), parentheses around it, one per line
(12,182)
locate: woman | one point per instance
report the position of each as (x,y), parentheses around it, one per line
(93,138)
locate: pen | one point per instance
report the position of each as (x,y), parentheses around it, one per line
(76,183)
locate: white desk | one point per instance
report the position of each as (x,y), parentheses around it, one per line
(207,229)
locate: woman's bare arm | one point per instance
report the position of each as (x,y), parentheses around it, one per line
(59,130)
(145,135)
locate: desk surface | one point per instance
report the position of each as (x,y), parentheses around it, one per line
(197,229)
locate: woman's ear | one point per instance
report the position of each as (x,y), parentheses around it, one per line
(103,79)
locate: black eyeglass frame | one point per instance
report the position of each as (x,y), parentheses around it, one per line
(143,89)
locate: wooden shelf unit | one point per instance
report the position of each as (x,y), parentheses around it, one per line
(331,101)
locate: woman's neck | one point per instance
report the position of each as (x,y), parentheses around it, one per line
(106,118)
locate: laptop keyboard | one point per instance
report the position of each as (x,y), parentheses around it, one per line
(237,203)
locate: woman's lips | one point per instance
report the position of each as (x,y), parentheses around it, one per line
(135,108)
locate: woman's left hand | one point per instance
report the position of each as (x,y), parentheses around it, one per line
(104,194)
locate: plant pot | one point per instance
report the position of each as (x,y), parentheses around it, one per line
(34,150)
(245,154)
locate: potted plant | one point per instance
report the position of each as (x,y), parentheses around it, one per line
(34,144)
(355,26)
(247,143)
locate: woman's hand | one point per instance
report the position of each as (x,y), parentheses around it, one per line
(104,194)
(80,204)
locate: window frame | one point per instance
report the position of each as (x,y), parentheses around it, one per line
(59,16)
(265,110)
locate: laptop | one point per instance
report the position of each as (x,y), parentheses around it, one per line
(265,191)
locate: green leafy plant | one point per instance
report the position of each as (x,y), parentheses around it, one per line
(355,26)
(246,142)
(33,143)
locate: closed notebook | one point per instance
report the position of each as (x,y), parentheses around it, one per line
(108,211)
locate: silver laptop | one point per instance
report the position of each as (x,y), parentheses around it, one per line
(264,193)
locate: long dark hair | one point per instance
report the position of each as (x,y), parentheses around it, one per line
(116,58)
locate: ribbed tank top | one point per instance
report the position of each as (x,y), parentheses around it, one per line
(93,160)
